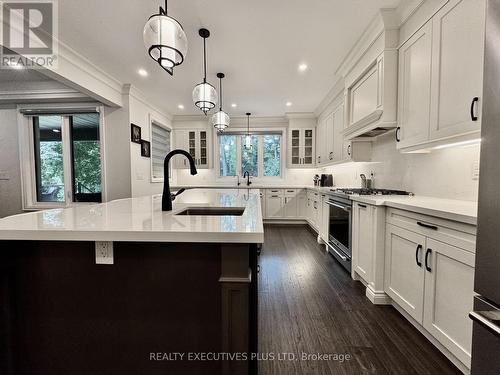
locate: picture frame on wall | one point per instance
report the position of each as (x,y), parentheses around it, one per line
(145,149)
(135,133)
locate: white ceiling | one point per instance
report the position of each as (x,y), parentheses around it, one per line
(258,44)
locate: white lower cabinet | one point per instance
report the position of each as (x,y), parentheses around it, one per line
(448,297)
(274,203)
(404,271)
(363,245)
(433,282)
(324,218)
(290,204)
(302,204)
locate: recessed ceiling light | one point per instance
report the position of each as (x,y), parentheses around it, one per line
(234,105)
(143,72)
(303,67)
(180,106)
(288,104)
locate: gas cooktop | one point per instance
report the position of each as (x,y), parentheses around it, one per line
(360,191)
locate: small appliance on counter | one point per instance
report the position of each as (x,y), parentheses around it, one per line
(326,180)
(316,179)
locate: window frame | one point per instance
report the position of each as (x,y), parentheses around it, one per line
(238,132)
(27,156)
(158,122)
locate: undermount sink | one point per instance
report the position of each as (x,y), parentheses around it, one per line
(212,211)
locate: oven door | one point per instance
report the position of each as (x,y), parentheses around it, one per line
(339,231)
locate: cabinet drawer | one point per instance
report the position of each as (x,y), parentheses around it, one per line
(274,192)
(451,232)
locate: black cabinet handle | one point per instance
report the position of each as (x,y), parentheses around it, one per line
(473,117)
(349,150)
(433,227)
(419,263)
(361,205)
(398,130)
(427,253)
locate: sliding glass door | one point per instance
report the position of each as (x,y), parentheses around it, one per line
(67,158)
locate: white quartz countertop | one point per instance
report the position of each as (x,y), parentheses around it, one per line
(141,219)
(451,209)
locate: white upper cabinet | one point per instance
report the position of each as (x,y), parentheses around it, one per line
(301,147)
(365,97)
(457,68)
(441,78)
(197,143)
(414,88)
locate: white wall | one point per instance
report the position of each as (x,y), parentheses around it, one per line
(140,167)
(445,173)
(10,179)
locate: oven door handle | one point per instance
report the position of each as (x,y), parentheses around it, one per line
(339,254)
(345,208)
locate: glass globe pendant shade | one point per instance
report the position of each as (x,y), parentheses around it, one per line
(248,142)
(165,40)
(220,121)
(205,96)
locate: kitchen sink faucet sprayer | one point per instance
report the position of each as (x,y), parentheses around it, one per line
(166,198)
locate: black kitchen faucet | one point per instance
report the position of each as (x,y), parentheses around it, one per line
(167,197)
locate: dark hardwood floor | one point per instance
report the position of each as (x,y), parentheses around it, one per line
(309,304)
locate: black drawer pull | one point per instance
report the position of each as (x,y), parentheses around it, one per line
(433,227)
(427,253)
(361,205)
(473,117)
(419,263)
(398,129)
(349,150)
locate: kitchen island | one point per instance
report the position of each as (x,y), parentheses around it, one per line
(181,284)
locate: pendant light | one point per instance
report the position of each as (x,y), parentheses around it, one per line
(248,138)
(220,120)
(165,40)
(204,94)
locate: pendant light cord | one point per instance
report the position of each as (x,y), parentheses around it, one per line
(220,93)
(204,60)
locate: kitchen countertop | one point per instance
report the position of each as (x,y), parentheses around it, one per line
(141,220)
(451,209)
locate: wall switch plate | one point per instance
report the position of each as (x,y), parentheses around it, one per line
(104,252)
(475,170)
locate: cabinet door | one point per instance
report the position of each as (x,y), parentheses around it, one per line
(457,66)
(295,154)
(202,148)
(181,142)
(324,218)
(449,291)
(415,88)
(364,96)
(290,207)
(329,144)
(308,149)
(404,277)
(302,205)
(274,206)
(338,138)
(321,142)
(363,240)
(263,203)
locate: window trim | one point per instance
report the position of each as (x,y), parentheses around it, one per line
(260,131)
(27,155)
(158,122)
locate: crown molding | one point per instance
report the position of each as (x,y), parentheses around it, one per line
(235,120)
(336,91)
(131,90)
(300,115)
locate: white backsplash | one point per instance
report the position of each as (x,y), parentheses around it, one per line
(445,173)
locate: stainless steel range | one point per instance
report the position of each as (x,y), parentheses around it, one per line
(340,220)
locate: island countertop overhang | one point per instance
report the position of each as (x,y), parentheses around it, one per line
(141,220)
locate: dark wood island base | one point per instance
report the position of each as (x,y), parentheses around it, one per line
(157,310)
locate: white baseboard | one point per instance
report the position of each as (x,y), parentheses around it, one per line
(377,297)
(431,338)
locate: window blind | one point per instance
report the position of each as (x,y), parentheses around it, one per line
(160,147)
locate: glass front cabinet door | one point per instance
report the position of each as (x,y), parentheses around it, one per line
(301,149)
(196,142)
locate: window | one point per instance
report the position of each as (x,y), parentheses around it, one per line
(66,161)
(160,147)
(262,160)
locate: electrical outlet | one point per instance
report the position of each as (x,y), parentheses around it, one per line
(104,252)
(475,170)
